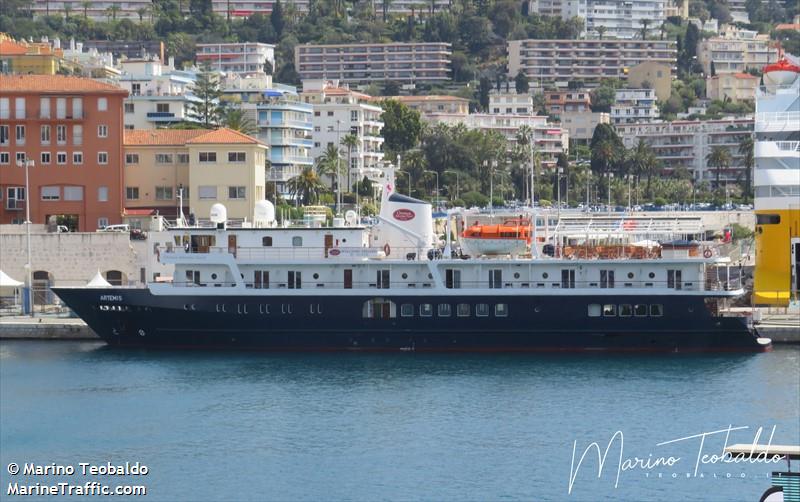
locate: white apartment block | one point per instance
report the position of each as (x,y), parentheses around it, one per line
(581,125)
(237,58)
(159,95)
(409,63)
(588,61)
(686,144)
(549,140)
(339,111)
(634,105)
(619,18)
(103,10)
(511,104)
(427,105)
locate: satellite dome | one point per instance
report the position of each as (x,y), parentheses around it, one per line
(264,212)
(351,217)
(218,213)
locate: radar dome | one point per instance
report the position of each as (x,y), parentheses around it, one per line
(264,212)
(351,217)
(218,213)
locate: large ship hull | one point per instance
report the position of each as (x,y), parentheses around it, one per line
(138,318)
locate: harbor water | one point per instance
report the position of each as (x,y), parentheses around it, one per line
(407,426)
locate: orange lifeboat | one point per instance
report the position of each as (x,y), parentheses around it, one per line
(513,236)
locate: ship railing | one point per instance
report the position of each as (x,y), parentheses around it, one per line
(300,253)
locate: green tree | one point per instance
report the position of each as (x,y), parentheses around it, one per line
(484,88)
(141,11)
(112,12)
(236,119)
(720,159)
(350,141)
(206,88)
(402,126)
(645,23)
(521,83)
(276,18)
(607,150)
(604,95)
(748,160)
(86,5)
(642,161)
(601,30)
(306,186)
(329,163)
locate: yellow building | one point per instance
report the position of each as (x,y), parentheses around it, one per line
(732,86)
(222,166)
(23,58)
(659,75)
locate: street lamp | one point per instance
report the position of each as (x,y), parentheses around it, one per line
(559,175)
(630,180)
(493,165)
(457,184)
(437,181)
(27,164)
(610,177)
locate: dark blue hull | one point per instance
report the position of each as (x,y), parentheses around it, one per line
(135,317)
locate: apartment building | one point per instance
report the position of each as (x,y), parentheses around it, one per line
(102,10)
(511,103)
(656,76)
(619,18)
(559,62)
(339,111)
(634,105)
(572,101)
(239,58)
(732,86)
(159,96)
(427,105)
(735,51)
(686,144)
(22,57)
(220,165)
(581,125)
(548,139)
(409,63)
(71,128)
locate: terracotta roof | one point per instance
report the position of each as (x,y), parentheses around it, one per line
(435,97)
(788,26)
(11,48)
(56,84)
(180,137)
(744,75)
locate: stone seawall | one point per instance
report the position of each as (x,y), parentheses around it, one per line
(45,329)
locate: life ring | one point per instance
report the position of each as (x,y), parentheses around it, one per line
(386,249)
(707,253)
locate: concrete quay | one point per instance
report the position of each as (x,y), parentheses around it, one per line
(44,328)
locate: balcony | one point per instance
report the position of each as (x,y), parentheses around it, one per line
(777,121)
(777,148)
(161,116)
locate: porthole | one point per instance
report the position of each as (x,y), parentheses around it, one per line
(404,276)
(344,240)
(545,275)
(516,275)
(430,276)
(213,276)
(537,308)
(651,275)
(691,309)
(630,275)
(316,276)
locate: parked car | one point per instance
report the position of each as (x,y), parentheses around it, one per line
(124,227)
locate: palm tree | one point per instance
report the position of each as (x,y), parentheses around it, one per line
(351,143)
(645,23)
(112,12)
(642,161)
(235,118)
(748,159)
(524,138)
(141,11)
(306,185)
(86,4)
(719,158)
(601,30)
(328,163)
(67,11)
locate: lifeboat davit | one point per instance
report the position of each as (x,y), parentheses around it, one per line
(781,73)
(511,237)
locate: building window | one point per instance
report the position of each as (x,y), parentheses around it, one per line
(44,108)
(207,192)
(163,158)
(102,222)
(132,193)
(129,108)
(102,131)
(77,108)
(482,310)
(51,193)
(45,134)
(21,157)
(61,158)
(236,156)
(102,194)
(354,115)
(5,108)
(136,89)
(45,158)
(128,127)
(163,193)
(19,104)
(183,158)
(162,107)
(61,108)
(77,135)
(61,134)
(102,104)
(131,158)
(4,140)
(20,135)
(73,193)
(236,193)
(330,114)
(77,158)
(208,157)
(102,157)
(5,158)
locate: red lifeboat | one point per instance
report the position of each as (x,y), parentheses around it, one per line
(513,236)
(781,73)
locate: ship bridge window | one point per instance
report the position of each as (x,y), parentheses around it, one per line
(606,278)
(501,310)
(567,278)
(495,279)
(445,310)
(202,243)
(656,310)
(594,310)
(482,310)
(768,219)
(625,310)
(640,310)
(382,278)
(609,310)
(266,241)
(379,308)
(463,310)
(407,310)
(426,310)
(297,241)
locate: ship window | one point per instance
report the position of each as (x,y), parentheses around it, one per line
(297,241)
(404,276)
(445,310)
(462,310)
(379,308)
(214,276)
(609,310)
(426,310)
(768,219)
(656,310)
(261,279)
(266,241)
(452,279)
(651,275)
(594,310)
(567,278)
(295,279)
(407,310)
(495,279)
(545,275)
(625,310)
(482,310)
(640,310)
(630,275)
(382,278)
(501,310)
(606,278)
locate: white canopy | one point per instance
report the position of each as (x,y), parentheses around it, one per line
(8,282)
(98,281)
